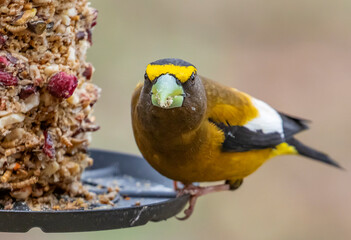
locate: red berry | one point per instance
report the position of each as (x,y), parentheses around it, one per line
(62,85)
(6,79)
(27,91)
(88,72)
(3,62)
(94,22)
(48,148)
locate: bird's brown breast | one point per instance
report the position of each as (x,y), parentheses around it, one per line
(178,150)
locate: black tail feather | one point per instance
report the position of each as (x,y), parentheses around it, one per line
(311,153)
(293,125)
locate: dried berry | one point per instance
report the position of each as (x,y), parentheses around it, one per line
(62,85)
(94,22)
(3,62)
(88,72)
(80,35)
(27,91)
(11,58)
(48,148)
(90,36)
(37,27)
(6,79)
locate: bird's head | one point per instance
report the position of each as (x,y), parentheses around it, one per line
(172,88)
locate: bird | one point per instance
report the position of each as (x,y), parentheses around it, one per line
(192,129)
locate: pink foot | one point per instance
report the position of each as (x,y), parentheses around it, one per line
(175,186)
(195,192)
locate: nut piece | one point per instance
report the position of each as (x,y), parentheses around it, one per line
(11,119)
(62,85)
(53,68)
(37,27)
(28,6)
(16,134)
(51,169)
(71,55)
(31,102)
(71,12)
(22,193)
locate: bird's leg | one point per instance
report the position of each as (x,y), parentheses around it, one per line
(175,186)
(197,191)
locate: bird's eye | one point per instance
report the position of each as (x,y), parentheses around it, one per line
(146,77)
(192,78)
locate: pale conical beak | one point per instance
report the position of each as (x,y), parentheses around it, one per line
(166,93)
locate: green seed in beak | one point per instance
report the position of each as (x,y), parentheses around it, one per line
(166,93)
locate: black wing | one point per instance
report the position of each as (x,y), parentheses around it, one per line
(242,139)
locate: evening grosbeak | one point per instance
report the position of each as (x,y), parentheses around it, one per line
(192,129)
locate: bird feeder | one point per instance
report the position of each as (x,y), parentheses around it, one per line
(47,176)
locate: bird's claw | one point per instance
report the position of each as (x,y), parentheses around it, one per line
(188,212)
(195,192)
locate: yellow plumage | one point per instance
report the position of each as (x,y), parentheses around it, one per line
(192,129)
(197,156)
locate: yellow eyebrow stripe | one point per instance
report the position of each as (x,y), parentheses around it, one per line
(182,73)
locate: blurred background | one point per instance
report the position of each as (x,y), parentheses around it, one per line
(295,55)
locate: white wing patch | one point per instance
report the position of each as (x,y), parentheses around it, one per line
(268,120)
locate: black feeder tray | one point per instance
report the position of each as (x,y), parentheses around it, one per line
(144,196)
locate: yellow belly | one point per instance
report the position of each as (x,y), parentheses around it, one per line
(204,160)
(215,165)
